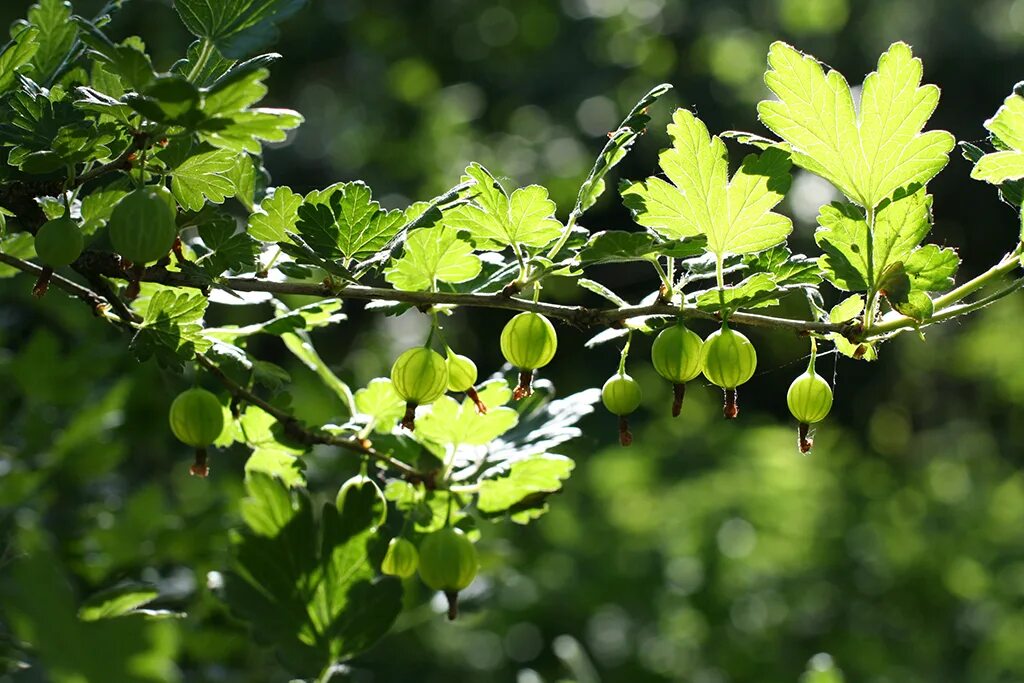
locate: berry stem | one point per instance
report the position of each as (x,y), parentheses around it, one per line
(453,604)
(525,387)
(731,407)
(43,282)
(678,393)
(481,407)
(805,442)
(625,436)
(409,419)
(200,467)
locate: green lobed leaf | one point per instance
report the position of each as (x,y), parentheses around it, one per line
(55,38)
(308,586)
(736,215)
(343,221)
(527,482)
(277,463)
(495,220)
(433,255)
(866,154)
(275,216)
(1007,125)
(900,225)
(381,404)
(171,328)
(16,58)
(758,289)
(204,177)
(230,249)
(454,423)
(236,27)
(618,246)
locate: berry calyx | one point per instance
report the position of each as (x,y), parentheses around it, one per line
(621,396)
(810,400)
(449,563)
(142,227)
(676,356)
(729,360)
(197,419)
(401,559)
(462,376)
(420,376)
(528,342)
(362,502)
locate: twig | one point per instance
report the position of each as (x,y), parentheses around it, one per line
(98,304)
(299,431)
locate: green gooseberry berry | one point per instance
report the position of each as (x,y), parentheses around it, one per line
(401,559)
(528,342)
(141,226)
(729,360)
(676,356)
(448,563)
(59,242)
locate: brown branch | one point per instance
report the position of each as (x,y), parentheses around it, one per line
(580,316)
(294,428)
(98,304)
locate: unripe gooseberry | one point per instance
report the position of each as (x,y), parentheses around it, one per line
(810,400)
(141,226)
(420,376)
(362,502)
(197,419)
(621,395)
(449,563)
(729,360)
(676,356)
(401,559)
(528,342)
(462,376)
(59,242)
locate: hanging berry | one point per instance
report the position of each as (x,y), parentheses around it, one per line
(197,419)
(528,342)
(810,400)
(462,376)
(449,563)
(360,496)
(729,360)
(676,356)
(58,243)
(401,559)
(420,376)
(621,396)
(141,226)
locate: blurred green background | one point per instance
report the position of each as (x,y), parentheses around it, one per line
(709,552)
